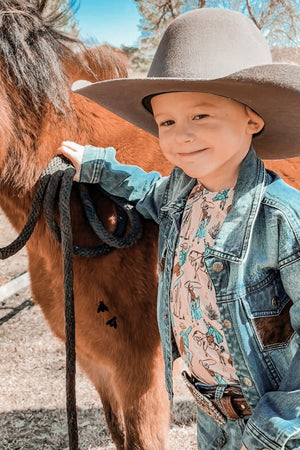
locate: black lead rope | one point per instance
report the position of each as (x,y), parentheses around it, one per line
(57,179)
(67,254)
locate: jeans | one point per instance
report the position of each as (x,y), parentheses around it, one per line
(212,436)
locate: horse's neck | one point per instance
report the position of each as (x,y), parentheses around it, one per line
(29,151)
(87,123)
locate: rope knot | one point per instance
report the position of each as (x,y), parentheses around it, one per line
(59,164)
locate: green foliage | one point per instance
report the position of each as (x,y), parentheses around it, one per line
(128,50)
(156,16)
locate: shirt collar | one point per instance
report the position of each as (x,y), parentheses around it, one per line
(233,240)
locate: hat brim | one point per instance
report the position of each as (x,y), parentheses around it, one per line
(272,90)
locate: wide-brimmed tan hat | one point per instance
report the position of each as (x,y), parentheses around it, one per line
(215,51)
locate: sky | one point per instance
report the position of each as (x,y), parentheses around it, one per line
(111,21)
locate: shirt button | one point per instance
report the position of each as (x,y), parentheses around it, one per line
(275,301)
(227,323)
(247,382)
(218,266)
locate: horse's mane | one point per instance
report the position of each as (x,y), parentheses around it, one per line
(36,55)
(32,47)
(38,63)
(97,63)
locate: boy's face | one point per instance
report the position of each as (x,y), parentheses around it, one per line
(206,135)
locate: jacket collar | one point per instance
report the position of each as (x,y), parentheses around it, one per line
(177,192)
(232,243)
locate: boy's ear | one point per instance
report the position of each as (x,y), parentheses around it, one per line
(255,122)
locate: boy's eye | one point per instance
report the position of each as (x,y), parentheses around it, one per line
(166,123)
(200,116)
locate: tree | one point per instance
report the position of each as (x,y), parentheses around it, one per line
(279,20)
(156,16)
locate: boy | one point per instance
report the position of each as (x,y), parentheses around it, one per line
(229,243)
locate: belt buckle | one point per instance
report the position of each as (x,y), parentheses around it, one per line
(203,402)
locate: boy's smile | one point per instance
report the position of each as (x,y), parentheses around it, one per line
(206,135)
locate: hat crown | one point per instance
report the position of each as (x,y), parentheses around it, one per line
(207,44)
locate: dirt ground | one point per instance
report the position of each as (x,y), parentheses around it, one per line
(32,380)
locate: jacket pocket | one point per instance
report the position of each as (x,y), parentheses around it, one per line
(275,331)
(268,310)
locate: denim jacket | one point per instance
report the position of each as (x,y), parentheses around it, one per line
(255,268)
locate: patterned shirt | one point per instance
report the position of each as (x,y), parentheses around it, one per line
(195,315)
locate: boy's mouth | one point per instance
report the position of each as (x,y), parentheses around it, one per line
(192,153)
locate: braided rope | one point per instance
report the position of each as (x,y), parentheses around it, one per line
(57,180)
(67,251)
(20,241)
(125,212)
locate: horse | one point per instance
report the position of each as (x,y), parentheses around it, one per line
(288,169)
(38,111)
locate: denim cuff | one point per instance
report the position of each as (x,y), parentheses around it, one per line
(254,439)
(92,164)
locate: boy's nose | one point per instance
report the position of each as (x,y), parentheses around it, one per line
(184,134)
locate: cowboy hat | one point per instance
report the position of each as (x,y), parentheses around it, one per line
(220,52)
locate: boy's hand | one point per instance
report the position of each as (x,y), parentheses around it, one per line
(243,448)
(74,152)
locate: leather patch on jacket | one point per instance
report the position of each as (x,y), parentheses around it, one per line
(274,331)
(162,264)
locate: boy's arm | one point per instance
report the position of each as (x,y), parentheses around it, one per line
(144,190)
(275,423)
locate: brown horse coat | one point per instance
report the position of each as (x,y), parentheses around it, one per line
(38,112)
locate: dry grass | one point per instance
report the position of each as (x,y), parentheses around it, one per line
(32,392)
(32,386)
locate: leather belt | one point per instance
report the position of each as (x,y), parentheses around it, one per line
(232,405)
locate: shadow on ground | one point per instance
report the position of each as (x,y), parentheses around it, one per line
(46,429)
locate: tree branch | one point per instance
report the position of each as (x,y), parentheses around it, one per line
(251,14)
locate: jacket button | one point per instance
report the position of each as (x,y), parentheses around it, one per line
(247,382)
(221,442)
(275,301)
(218,266)
(227,323)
